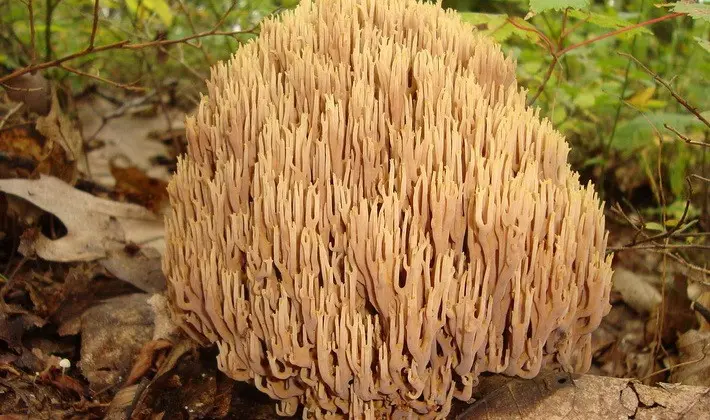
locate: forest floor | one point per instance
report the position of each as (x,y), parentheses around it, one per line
(84,330)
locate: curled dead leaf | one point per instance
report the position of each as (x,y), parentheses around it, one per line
(94,225)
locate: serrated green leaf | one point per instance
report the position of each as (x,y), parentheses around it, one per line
(538,6)
(694,10)
(608,21)
(704,44)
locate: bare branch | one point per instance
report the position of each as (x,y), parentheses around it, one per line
(33,48)
(7,116)
(661,246)
(125,45)
(665,84)
(102,79)
(94,26)
(545,79)
(685,138)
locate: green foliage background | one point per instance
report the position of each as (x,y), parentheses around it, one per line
(612,112)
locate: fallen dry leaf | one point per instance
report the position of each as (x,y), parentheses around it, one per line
(165,328)
(25,153)
(583,397)
(57,128)
(185,388)
(637,290)
(141,268)
(125,134)
(144,360)
(95,225)
(112,333)
(693,367)
(139,188)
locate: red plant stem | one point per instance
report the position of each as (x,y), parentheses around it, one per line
(617,32)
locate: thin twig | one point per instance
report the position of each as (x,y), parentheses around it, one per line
(193,28)
(102,79)
(671,231)
(33,48)
(660,246)
(48,29)
(701,309)
(682,261)
(686,138)
(560,37)
(542,36)
(574,27)
(689,362)
(125,44)
(94,26)
(7,116)
(691,234)
(673,93)
(545,79)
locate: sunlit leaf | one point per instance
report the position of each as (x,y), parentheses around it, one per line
(159,7)
(585,100)
(654,226)
(493,25)
(641,98)
(704,43)
(538,6)
(695,10)
(608,21)
(162,9)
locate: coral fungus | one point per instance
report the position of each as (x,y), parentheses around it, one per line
(369,216)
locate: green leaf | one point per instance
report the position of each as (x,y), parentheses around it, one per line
(132,6)
(161,8)
(694,10)
(493,25)
(678,169)
(538,6)
(654,226)
(559,115)
(608,21)
(704,44)
(641,131)
(584,100)
(595,161)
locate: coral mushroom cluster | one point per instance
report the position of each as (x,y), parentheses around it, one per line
(369,216)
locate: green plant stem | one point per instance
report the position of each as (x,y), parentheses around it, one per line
(48,29)
(606,146)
